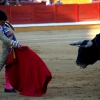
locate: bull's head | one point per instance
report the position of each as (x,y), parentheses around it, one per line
(88,52)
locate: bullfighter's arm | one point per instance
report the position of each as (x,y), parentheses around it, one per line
(7,41)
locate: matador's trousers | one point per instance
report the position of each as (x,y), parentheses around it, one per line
(4,56)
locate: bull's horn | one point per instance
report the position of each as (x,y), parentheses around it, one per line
(76,43)
(89,44)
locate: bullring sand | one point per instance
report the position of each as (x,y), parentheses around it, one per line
(69,82)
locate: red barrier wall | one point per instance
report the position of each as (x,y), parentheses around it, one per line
(44,14)
(52,14)
(21,14)
(66,13)
(88,12)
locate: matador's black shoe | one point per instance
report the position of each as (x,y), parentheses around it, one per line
(10,90)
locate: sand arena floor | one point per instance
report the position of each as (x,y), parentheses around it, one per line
(69,82)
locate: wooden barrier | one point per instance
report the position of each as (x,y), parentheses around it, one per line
(66,13)
(89,12)
(28,14)
(44,14)
(21,14)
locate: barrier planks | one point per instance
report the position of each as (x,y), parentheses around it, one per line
(66,13)
(88,12)
(44,14)
(27,14)
(21,14)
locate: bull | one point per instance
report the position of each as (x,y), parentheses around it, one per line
(88,51)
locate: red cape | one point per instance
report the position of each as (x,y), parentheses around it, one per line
(27,72)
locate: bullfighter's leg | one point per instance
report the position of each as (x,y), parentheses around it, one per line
(3,58)
(8,87)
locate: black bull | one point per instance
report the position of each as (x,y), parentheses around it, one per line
(88,54)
